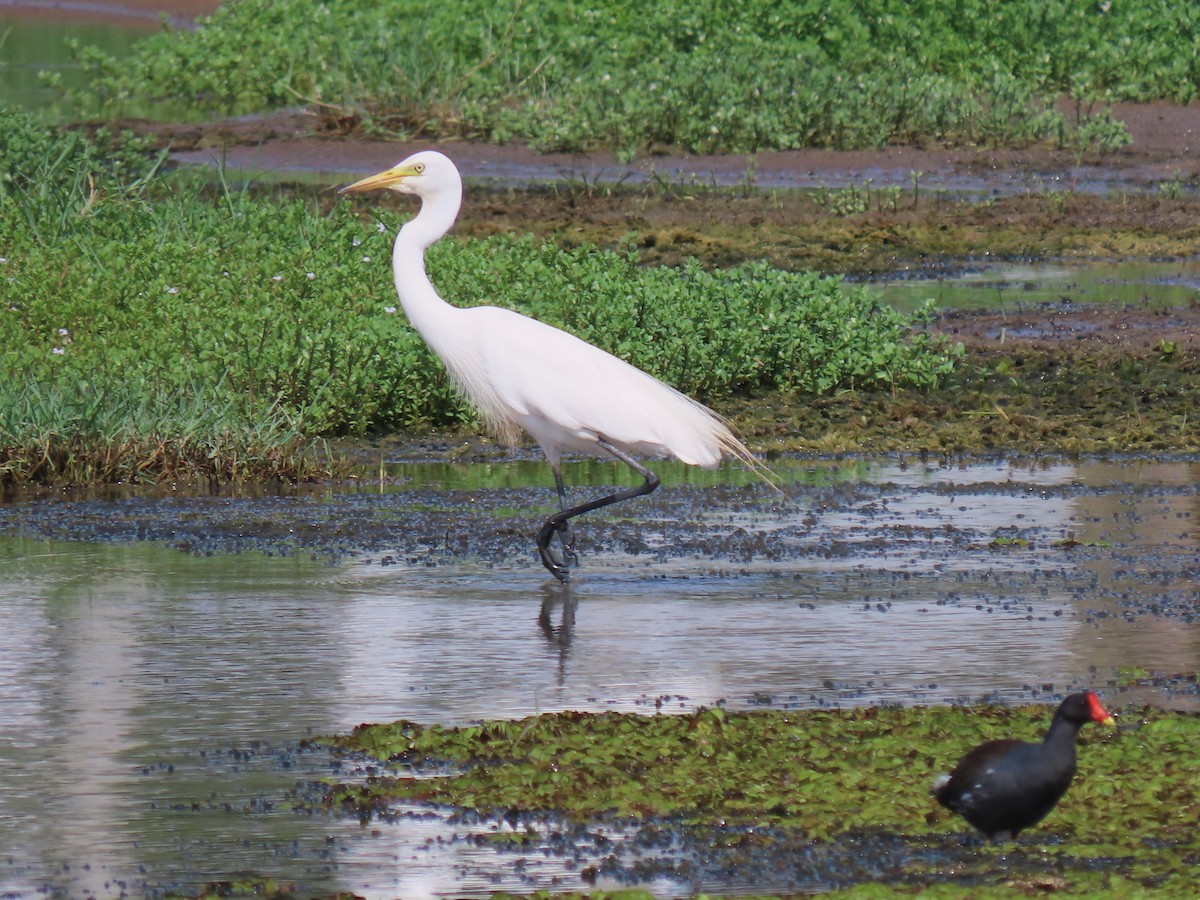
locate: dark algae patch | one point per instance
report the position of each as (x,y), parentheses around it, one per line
(905,230)
(1022,398)
(795,801)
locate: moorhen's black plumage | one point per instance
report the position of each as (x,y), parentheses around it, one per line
(1002,787)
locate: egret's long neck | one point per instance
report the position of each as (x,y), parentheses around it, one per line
(420,300)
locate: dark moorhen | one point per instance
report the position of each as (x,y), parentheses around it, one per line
(1004,786)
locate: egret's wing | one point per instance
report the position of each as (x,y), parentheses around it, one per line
(567,393)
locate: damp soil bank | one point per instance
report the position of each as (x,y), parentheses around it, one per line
(1090,381)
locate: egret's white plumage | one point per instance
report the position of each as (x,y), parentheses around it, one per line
(522,374)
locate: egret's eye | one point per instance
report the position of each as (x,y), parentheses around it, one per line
(420,167)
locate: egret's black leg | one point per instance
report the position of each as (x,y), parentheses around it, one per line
(565,535)
(566,538)
(559,523)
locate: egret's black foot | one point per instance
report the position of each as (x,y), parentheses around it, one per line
(557,562)
(566,537)
(553,561)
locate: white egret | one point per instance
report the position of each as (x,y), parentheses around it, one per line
(524,374)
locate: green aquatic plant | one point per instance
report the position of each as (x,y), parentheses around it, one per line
(708,77)
(39,164)
(83,433)
(283,307)
(806,777)
(125,290)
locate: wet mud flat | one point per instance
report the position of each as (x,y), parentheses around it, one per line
(522,854)
(891,580)
(1110,540)
(673,859)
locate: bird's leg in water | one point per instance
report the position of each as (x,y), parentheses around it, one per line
(565,536)
(559,523)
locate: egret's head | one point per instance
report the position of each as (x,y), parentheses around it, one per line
(423,174)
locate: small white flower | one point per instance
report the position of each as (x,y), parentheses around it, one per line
(311,275)
(62,332)
(355,242)
(277,278)
(389,309)
(366,259)
(381,228)
(3,260)
(172,290)
(58,351)
(226,274)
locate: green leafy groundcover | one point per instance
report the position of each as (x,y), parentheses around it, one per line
(809,776)
(708,76)
(137,307)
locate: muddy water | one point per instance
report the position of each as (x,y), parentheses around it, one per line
(152,700)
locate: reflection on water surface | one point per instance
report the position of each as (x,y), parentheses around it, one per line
(152,700)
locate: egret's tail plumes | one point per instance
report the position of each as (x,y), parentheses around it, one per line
(700,437)
(715,436)
(694,434)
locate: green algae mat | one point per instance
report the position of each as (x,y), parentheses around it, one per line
(751,789)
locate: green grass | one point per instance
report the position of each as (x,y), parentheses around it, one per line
(804,778)
(704,76)
(81,432)
(135,308)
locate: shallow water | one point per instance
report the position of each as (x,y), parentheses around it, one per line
(1008,286)
(37,41)
(152,700)
(36,38)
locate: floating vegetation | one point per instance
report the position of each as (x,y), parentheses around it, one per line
(751,786)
